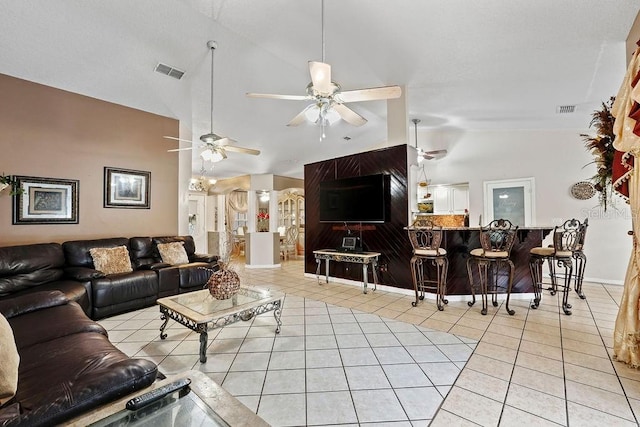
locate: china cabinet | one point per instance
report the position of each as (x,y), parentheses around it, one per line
(291,213)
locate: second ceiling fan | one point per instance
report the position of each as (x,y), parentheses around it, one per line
(216,146)
(329,98)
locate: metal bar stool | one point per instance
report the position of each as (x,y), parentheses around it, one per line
(567,240)
(580,258)
(496,241)
(428,253)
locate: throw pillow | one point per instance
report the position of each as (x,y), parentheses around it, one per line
(111,260)
(173,253)
(9,361)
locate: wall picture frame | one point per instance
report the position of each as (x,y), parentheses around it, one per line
(46,201)
(125,188)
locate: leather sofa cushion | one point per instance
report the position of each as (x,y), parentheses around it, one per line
(9,361)
(72,290)
(76,252)
(36,327)
(27,266)
(142,251)
(118,288)
(81,372)
(194,275)
(23,304)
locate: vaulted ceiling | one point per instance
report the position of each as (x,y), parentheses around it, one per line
(486,64)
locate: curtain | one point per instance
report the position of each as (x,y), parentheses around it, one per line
(237,201)
(626,181)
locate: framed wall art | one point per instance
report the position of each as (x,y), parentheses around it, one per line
(46,201)
(124,188)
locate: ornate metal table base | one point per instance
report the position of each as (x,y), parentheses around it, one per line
(203,328)
(364,258)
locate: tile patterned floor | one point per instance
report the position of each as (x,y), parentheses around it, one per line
(344,358)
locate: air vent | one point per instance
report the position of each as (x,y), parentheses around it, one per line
(565,109)
(170,71)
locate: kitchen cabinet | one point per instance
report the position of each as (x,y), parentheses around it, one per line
(450,199)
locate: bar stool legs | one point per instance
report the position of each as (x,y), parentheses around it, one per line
(421,282)
(535,266)
(581,261)
(488,278)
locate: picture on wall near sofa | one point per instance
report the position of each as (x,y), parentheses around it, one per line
(46,201)
(125,188)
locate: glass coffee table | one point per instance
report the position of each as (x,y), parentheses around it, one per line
(202,403)
(199,311)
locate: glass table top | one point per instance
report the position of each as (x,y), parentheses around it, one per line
(201,304)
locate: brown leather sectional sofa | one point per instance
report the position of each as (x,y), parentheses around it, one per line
(69,268)
(67,365)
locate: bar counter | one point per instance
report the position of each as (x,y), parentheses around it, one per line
(459,241)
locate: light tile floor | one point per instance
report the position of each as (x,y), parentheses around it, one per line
(336,363)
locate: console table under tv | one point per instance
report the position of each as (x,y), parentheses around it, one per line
(364,258)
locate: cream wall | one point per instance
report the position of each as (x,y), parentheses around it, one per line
(556,159)
(46,132)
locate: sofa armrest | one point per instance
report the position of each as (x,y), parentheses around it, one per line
(154,266)
(204,258)
(22,304)
(82,274)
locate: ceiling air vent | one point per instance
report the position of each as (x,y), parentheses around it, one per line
(565,109)
(170,71)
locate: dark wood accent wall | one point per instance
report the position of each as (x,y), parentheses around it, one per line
(390,238)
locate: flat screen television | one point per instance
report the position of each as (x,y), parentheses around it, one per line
(357,199)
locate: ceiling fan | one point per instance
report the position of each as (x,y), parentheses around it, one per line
(329,98)
(426,155)
(216,146)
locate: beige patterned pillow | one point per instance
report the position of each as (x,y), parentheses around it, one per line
(111,260)
(173,253)
(9,361)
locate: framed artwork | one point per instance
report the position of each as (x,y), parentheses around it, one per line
(512,199)
(46,201)
(125,188)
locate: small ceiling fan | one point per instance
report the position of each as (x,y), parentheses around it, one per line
(426,155)
(329,98)
(216,146)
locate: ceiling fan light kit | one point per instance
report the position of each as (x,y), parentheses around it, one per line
(329,98)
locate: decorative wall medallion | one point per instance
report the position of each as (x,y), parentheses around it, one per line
(583,190)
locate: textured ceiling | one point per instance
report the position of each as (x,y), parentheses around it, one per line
(487,64)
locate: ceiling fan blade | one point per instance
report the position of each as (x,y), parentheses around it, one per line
(300,117)
(349,116)
(276,96)
(243,150)
(178,139)
(370,94)
(428,155)
(180,149)
(321,77)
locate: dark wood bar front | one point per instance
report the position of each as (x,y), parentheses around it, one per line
(460,241)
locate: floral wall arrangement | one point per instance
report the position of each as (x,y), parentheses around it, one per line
(601,147)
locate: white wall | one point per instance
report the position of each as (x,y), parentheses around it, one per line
(556,159)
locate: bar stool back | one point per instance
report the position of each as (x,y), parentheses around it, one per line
(568,239)
(428,255)
(496,240)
